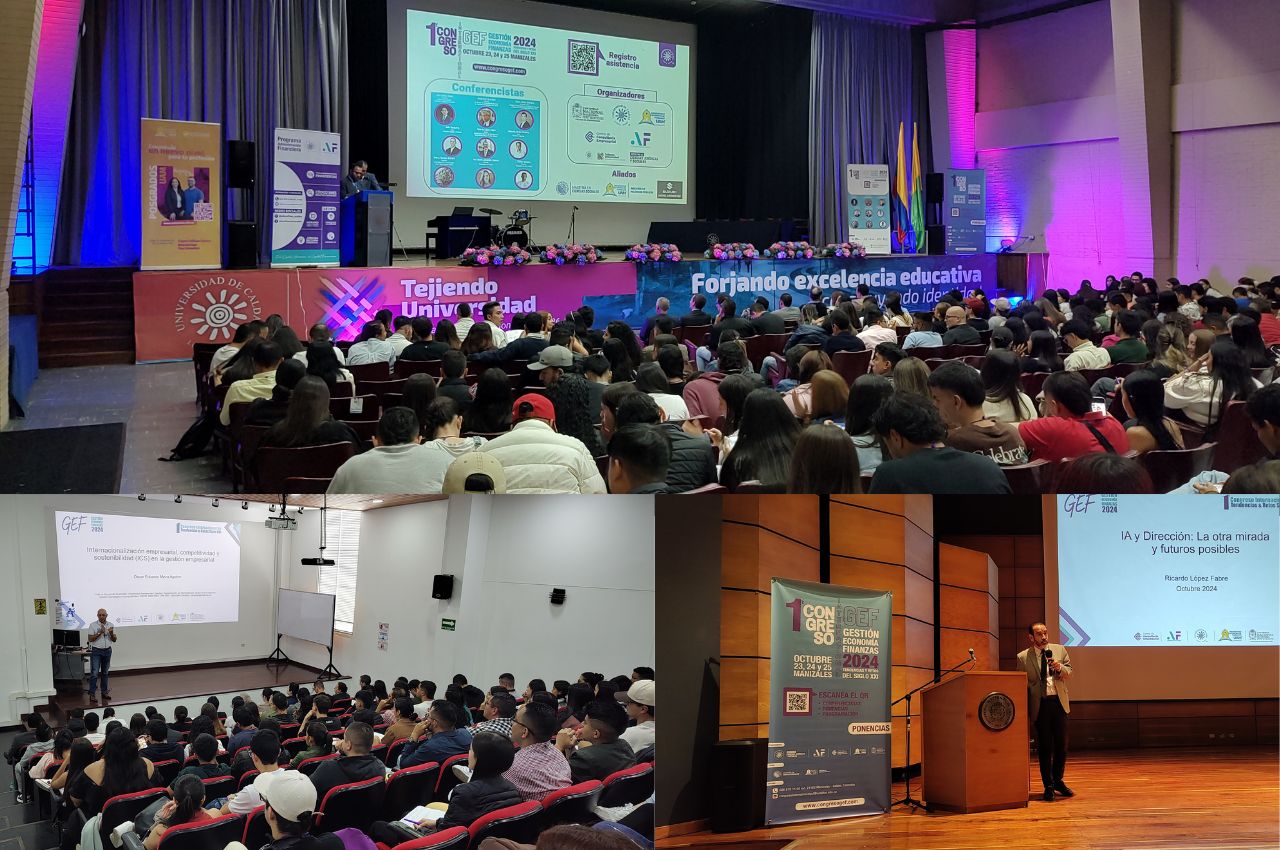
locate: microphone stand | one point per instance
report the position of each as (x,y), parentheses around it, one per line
(908,799)
(573,223)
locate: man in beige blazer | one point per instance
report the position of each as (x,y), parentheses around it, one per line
(1048,705)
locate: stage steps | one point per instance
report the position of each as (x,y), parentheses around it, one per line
(86,317)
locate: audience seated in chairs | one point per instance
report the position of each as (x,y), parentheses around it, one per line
(453,365)
(538,767)
(324,363)
(1070,427)
(268,411)
(319,334)
(571,399)
(639,457)
(1103,472)
(490,411)
(605,752)
(436,737)
(1218,376)
(308,422)
(158,747)
(423,346)
(825,460)
(319,743)
(394,464)
(764,441)
(243,333)
(353,764)
(1002,383)
(290,802)
(692,457)
(265,750)
(639,702)
(1142,394)
(207,766)
(266,357)
(187,806)
(958,392)
(913,432)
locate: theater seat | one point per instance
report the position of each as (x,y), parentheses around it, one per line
(632,785)
(1175,467)
(219,786)
(706,488)
(393,753)
(292,745)
(257,833)
(1031,478)
(247,777)
(125,807)
(851,364)
(274,465)
(355,804)
(204,834)
(168,770)
(410,787)
(453,838)
(1238,443)
(572,804)
(308,766)
(517,823)
(446,781)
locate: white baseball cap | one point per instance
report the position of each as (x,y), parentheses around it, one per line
(289,793)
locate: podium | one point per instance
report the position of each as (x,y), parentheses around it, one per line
(366,229)
(976,747)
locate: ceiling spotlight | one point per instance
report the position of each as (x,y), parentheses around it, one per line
(215,503)
(177,500)
(272,509)
(377,501)
(142,497)
(301,508)
(244,506)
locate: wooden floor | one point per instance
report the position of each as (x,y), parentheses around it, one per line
(1227,799)
(134,686)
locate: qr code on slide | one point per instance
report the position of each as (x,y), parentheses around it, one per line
(797,701)
(584,57)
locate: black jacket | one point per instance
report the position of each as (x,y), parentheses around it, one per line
(807,335)
(769,323)
(162,752)
(693,459)
(334,772)
(423,351)
(733,323)
(474,799)
(961,335)
(456,389)
(524,348)
(697,317)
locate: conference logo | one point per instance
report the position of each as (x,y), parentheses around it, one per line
(640,140)
(212,307)
(446,38)
(1261,636)
(1202,635)
(621,114)
(1231,635)
(666,55)
(562,188)
(591,137)
(1175,637)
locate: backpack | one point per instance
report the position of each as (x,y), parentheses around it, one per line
(195,441)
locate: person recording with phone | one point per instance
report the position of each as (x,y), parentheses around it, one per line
(1048,668)
(102,634)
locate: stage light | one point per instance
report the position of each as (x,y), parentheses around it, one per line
(244,506)
(177,500)
(142,497)
(215,503)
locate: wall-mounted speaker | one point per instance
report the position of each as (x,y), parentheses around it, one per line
(442,587)
(557,596)
(737,785)
(933,188)
(242,245)
(240,164)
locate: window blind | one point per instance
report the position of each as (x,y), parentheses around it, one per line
(343,531)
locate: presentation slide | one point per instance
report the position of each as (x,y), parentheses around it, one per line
(500,110)
(1174,571)
(146,571)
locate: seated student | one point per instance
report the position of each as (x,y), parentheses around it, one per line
(959,332)
(1002,378)
(401,331)
(243,333)
(876,329)
(491,754)
(187,806)
(763,443)
(319,743)
(323,363)
(423,347)
(395,464)
(639,702)
(538,767)
(158,747)
(536,459)
(1084,354)
(527,347)
(181,719)
(289,803)
(319,334)
(437,737)
(1142,395)
(499,711)
(490,412)
(123,772)
(265,750)
(763,321)
(1070,427)
(913,434)
(1103,472)
(1217,377)
(922,335)
(353,764)
(371,346)
(308,422)
(958,392)
(403,724)
(1129,346)
(693,458)
(269,411)
(453,365)
(266,358)
(207,766)
(652,380)
(639,456)
(605,752)
(841,325)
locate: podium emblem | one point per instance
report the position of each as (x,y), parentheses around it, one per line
(996,711)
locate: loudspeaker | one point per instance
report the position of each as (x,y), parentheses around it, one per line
(557,596)
(738,789)
(240,162)
(937,239)
(242,245)
(442,587)
(933,188)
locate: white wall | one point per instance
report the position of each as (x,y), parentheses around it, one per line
(1227,133)
(29,570)
(599,223)
(506,555)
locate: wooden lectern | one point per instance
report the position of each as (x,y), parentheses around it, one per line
(976,749)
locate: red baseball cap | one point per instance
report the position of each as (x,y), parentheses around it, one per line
(540,408)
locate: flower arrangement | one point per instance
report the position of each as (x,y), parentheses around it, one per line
(570,255)
(790,251)
(496,255)
(844,249)
(732,251)
(654,252)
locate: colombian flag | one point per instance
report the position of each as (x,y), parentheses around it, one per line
(901,209)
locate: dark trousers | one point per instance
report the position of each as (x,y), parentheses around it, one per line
(99,664)
(1051,741)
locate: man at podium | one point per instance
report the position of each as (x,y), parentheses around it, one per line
(1048,667)
(358,179)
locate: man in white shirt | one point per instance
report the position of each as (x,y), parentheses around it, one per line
(402,336)
(463,323)
(1084,354)
(265,751)
(372,347)
(102,634)
(266,358)
(639,703)
(492,313)
(877,330)
(397,462)
(243,334)
(320,333)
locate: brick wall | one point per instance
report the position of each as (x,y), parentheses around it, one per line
(18,41)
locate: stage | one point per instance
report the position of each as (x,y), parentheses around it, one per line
(196,681)
(1174,799)
(175,309)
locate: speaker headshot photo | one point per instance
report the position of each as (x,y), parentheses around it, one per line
(1048,667)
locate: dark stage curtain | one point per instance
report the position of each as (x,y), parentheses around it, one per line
(866,77)
(753,114)
(251,65)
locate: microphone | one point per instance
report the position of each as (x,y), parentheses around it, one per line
(971,656)
(1048,659)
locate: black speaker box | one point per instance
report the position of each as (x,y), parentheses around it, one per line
(240,164)
(242,245)
(937,239)
(442,587)
(738,784)
(933,189)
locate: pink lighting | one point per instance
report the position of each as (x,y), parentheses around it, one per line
(51,111)
(961,58)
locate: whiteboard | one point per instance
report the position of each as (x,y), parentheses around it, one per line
(306,615)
